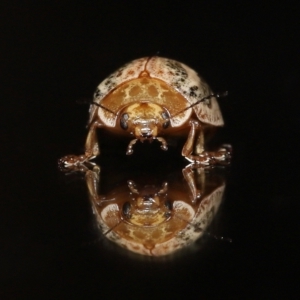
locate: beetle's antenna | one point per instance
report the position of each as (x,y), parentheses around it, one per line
(108,231)
(95,103)
(219,95)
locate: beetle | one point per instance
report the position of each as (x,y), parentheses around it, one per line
(157,219)
(154,98)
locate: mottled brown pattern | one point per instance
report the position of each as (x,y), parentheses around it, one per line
(175,74)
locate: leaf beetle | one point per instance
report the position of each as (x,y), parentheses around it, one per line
(154,98)
(155,219)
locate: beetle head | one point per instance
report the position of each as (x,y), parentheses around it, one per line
(144,120)
(148,207)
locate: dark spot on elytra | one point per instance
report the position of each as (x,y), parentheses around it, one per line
(112,75)
(192,91)
(130,72)
(179,70)
(193,88)
(198,229)
(98,93)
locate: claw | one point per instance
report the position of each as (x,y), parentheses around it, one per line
(74,162)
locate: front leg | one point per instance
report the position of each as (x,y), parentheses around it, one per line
(202,157)
(92,177)
(92,150)
(189,176)
(92,180)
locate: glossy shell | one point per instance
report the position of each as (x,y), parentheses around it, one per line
(167,82)
(186,225)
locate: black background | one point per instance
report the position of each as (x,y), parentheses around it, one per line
(54,54)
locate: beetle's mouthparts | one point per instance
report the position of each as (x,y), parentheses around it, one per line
(146,136)
(146,132)
(164,145)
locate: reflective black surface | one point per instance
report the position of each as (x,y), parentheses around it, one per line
(54,56)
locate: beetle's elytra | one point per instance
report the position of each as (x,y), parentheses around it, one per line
(154,98)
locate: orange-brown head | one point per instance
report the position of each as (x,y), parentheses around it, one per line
(148,207)
(145,121)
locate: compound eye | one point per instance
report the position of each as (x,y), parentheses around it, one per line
(124,121)
(127,210)
(166,116)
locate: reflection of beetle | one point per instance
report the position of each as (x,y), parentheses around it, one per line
(154,98)
(157,220)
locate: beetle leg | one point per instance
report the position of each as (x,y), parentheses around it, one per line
(75,162)
(202,157)
(91,145)
(188,148)
(189,145)
(92,177)
(199,148)
(92,180)
(189,176)
(222,156)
